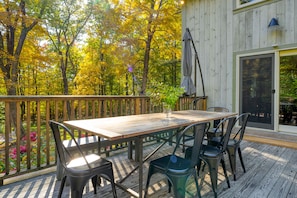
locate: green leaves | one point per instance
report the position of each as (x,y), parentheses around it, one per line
(165,94)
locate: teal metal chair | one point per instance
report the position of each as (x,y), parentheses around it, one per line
(213,155)
(80,168)
(178,169)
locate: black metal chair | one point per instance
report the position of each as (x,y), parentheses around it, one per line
(234,142)
(178,169)
(213,155)
(79,169)
(214,132)
(189,135)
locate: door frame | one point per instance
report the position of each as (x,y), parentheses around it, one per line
(275,77)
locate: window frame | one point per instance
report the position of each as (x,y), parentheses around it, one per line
(252,2)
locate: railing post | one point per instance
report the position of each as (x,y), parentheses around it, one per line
(137,106)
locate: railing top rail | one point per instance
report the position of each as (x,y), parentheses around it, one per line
(74,97)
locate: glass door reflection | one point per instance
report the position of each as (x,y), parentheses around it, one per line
(288,90)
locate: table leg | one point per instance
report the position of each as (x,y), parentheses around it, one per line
(99,145)
(140,149)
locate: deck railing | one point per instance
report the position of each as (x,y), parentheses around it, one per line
(26,143)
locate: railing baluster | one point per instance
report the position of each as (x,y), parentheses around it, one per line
(38,135)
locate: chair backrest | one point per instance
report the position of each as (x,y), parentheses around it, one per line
(218,109)
(64,155)
(199,130)
(242,122)
(195,103)
(228,124)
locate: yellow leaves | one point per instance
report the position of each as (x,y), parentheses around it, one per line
(88,78)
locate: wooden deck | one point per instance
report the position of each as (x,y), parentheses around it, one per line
(271,172)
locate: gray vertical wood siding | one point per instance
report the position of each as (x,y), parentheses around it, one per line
(220,31)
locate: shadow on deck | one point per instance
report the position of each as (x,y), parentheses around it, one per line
(271,172)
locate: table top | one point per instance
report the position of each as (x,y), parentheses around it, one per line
(119,127)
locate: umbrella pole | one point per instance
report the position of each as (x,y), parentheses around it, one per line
(195,77)
(196,58)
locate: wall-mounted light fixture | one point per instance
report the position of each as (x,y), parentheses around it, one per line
(274,29)
(273,23)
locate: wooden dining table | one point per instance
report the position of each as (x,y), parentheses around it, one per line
(140,126)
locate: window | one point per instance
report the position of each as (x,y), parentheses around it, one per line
(244,3)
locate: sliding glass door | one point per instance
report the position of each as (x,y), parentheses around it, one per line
(256,87)
(288,91)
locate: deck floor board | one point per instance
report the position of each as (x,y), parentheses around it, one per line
(271,172)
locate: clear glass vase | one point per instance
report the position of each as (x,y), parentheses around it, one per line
(167,110)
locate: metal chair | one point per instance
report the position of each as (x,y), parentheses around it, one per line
(178,169)
(79,169)
(214,132)
(213,155)
(234,142)
(189,136)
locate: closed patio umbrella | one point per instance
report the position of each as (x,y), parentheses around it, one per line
(187,82)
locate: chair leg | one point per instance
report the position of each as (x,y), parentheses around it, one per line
(232,158)
(169,186)
(183,150)
(108,174)
(94,182)
(198,167)
(241,159)
(179,188)
(213,170)
(149,175)
(225,172)
(62,186)
(77,186)
(76,192)
(197,185)
(114,192)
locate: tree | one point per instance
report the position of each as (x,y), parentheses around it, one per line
(16,21)
(65,21)
(149,18)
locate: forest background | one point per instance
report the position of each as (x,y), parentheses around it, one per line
(89,47)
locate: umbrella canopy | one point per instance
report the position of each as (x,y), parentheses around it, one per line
(187,82)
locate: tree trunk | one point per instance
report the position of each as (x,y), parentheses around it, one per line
(150,34)
(146,63)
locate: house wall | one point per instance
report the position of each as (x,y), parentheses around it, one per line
(210,24)
(221,32)
(250,25)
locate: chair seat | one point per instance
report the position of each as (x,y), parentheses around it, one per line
(79,164)
(172,163)
(210,151)
(206,151)
(232,142)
